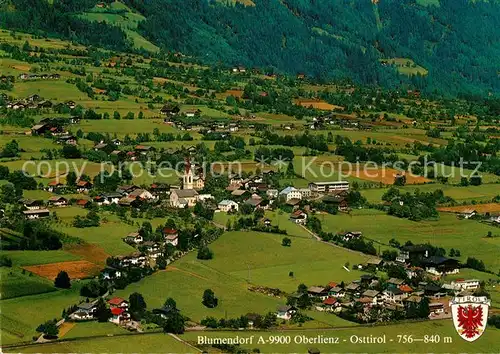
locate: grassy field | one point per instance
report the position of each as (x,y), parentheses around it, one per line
(127,20)
(147,343)
(407,66)
(466,235)
(108,235)
(27,258)
(259,256)
(88,329)
(20,316)
(15,283)
(484,192)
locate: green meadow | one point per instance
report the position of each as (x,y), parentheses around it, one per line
(147,343)
(484,192)
(466,235)
(27,258)
(254,258)
(108,235)
(16,283)
(20,316)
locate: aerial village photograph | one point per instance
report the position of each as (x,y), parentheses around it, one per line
(250,176)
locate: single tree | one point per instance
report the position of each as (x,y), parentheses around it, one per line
(137,303)
(287,242)
(62,280)
(209,299)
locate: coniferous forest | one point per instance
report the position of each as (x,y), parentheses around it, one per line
(457,41)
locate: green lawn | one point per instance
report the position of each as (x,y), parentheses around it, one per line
(108,235)
(484,192)
(238,255)
(466,235)
(15,283)
(88,329)
(27,258)
(20,316)
(145,343)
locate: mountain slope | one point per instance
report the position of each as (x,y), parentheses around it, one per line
(456,41)
(450,45)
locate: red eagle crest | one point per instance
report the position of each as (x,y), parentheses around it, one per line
(470,319)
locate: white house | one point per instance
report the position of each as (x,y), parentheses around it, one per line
(394,295)
(134,237)
(84,311)
(305,193)
(142,194)
(326,187)
(227,205)
(285,312)
(35,214)
(336,292)
(290,193)
(272,193)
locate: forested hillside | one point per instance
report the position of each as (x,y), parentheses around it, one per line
(454,45)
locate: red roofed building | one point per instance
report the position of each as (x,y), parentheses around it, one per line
(331,304)
(171,236)
(118,302)
(119,315)
(406,289)
(116,311)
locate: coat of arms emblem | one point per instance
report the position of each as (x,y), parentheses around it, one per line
(470,315)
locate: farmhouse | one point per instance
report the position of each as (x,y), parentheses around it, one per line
(298,217)
(54,186)
(135,260)
(227,206)
(119,315)
(118,302)
(84,311)
(170,109)
(134,237)
(317,292)
(328,187)
(331,304)
(58,201)
(336,292)
(153,249)
(36,214)
(373,295)
(83,186)
(436,309)
(467,214)
(393,295)
(350,235)
(286,312)
(110,273)
(441,265)
(32,204)
(290,193)
(141,194)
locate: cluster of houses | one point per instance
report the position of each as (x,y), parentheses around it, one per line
(27,76)
(36,102)
(119,308)
(151,248)
(395,294)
